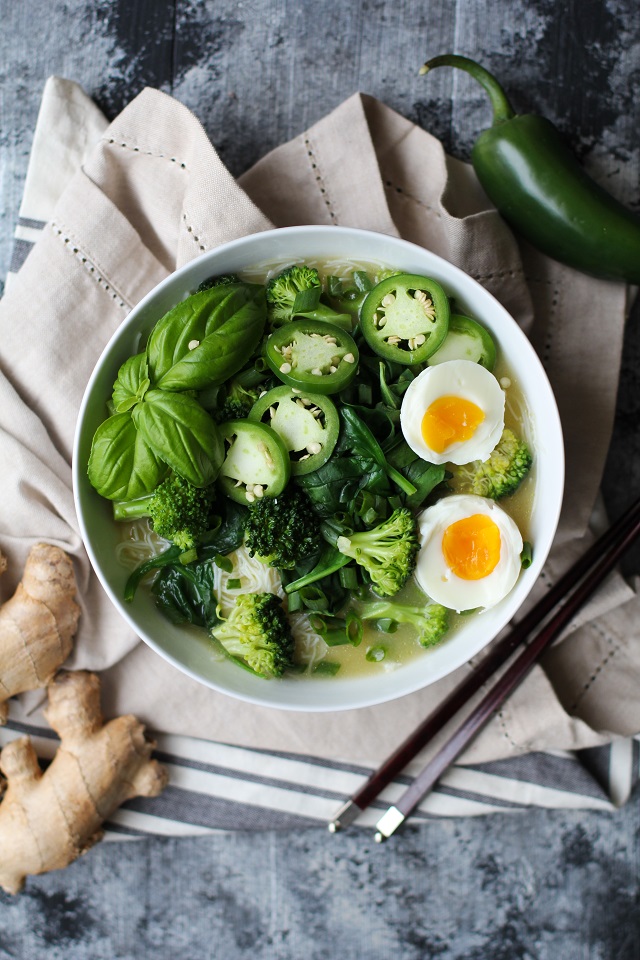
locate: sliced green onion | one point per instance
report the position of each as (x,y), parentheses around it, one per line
(306,300)
(337,632)
(188,556)
(234,583)
(348,577)
(362,281)
(526,557)
(386,625)
(375,654)
(224,563)
(327,667)
(313,598)
(334,287)
(295,603)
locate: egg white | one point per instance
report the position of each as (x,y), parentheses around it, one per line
(435,576)
(459,378)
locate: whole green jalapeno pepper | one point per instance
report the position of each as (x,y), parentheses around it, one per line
(405,318)
(541,189)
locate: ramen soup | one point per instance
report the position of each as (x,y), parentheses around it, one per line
(325,466)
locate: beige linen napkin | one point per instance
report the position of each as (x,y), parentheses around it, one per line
(153,194)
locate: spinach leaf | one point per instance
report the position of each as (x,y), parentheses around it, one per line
(122,465)
(185,594)
(425,477)
(132,383)
(208,337)
(230,534)
(359,439)
(332,488)
(181,432)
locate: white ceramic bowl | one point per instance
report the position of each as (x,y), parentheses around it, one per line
(192,654)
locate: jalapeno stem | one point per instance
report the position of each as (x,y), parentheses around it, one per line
(502,109)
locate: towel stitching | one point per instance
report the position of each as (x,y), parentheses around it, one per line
(194,237)
(409,196)
(505,732)
(319,179)
(90,267)
(598,671)
(147,153)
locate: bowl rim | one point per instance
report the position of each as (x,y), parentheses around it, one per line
(133,319)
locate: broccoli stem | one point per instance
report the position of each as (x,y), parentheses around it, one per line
(132,509)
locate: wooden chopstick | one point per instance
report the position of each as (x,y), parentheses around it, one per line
(601,556)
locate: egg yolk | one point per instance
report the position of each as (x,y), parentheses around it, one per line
(471,547)
(450,420)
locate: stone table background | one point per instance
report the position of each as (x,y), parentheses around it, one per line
(533,886)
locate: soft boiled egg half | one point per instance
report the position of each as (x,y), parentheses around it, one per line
(453,413)
(470,552)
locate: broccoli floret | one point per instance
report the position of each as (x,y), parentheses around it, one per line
(237,402)
(257,632)
(221,281)
(431,621)
(501,474)
(283,531)
(178,511)
(284,290)
(387,552)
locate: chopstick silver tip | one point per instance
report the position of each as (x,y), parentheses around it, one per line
(344,816)
(388,824)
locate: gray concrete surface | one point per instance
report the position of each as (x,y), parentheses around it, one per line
(562,886)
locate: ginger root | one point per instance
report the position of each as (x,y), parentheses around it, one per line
(38,623)
(49,819)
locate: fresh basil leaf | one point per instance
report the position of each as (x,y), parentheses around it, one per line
(208,337)
(122,466)
(181,433)
(132,383)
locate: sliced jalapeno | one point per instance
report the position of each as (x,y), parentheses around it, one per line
(307,423)
(405,318)
(466,340)
(256,464)
(313,355)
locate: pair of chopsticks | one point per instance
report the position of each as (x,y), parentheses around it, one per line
(565,598)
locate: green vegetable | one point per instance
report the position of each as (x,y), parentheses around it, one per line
(185,594)
(296,292)
(132,383)
(405,318)
(501,474)
(122,465)
(376,654)
(329,561)
(359,439)
(178,510)
(387,552)
(307,424)
(526,557)
(431,621)
(326,667)
(338,631)
(466,340)
(219,281)
(256,464)
(181,433)
(207,338)
(257,632)
(539,187)
(313,355)
(283,531)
